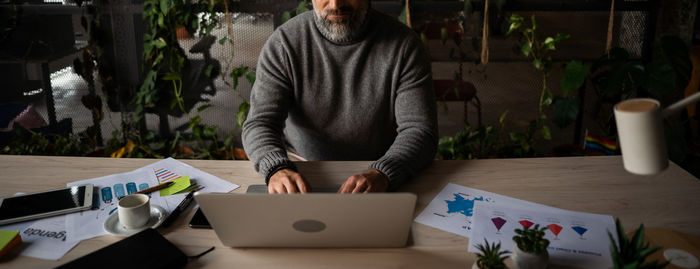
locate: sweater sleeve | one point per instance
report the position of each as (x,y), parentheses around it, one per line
(270,98)
(416,117)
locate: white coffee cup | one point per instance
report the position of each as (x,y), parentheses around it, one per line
(134,210)
(641,136)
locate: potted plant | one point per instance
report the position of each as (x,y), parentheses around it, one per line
(491,256)
(530,250)
(632,253)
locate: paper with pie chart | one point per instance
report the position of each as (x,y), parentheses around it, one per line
(576,239)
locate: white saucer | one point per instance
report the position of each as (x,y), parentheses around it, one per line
(113,226)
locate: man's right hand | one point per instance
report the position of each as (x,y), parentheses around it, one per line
(287,181)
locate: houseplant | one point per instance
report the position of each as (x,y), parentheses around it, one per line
(491,256)
(630,254)
(530,251)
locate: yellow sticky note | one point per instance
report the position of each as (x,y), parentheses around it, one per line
(8,240)
(180,184)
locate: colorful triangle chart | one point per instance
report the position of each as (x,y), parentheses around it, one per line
(498,222)
(165,175)
(526,223)
(579,230)
(554,228)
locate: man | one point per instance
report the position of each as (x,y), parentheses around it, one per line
(343,82)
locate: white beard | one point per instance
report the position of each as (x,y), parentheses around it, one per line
(342,31)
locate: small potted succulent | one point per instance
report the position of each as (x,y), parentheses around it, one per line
(491,256)
(530,250)
(632,253)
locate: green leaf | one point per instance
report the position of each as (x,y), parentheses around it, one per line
(158,59)
(515,22)
(228,141)
(558,38)
(503,117)
(574,76)
(251,77)
(443,35)
(661,80)
(164,5)
(286,16)
(402,16)
(194,121)
(537,63)
(549,43)
(301,8)
(210,131)
(565,111)
(424,39)
(674,51)
(547,99)
(534,22)
(203,107)
(242,113)
(237,73)
(160,21)
(207,71)
(160,43)
(468,7)
(526,49)
(223,40)
(172,76)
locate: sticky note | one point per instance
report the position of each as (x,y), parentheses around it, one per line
(8,240)
(180,184)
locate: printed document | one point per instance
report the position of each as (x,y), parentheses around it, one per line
(453,208)
(576,239)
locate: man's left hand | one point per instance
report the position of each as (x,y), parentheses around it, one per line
(368,181)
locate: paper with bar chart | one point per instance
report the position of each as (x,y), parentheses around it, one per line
(576,239)
(112,187)
(451,210)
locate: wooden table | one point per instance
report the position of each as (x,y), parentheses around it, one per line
(670,200)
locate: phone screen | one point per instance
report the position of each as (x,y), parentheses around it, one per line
(26,205)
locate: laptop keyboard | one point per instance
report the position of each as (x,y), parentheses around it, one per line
(261,188)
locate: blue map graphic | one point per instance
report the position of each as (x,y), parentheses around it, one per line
(461,205)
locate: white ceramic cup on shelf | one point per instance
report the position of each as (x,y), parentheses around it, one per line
(134,210)
(640,133)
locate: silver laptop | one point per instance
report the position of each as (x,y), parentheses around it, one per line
(309,220)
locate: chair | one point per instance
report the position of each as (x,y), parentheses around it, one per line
(451,91)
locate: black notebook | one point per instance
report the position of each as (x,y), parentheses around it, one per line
(146,249)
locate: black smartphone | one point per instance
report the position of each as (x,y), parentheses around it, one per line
(199,220)
(45,204)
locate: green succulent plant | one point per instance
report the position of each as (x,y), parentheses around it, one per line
(491,256)
(630,254)
(531,240)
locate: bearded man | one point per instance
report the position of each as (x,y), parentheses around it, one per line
(343,82)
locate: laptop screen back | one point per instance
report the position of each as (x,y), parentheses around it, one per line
(310,220)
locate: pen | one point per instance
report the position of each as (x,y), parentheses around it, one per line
(181,207)
(154,188)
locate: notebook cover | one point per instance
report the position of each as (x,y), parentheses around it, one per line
(146,249)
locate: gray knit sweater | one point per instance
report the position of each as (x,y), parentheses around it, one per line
(369,99)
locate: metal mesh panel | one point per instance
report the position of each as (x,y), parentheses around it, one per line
(250,31)
(630,30)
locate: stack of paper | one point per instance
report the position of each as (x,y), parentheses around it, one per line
(576,239)
(51,238)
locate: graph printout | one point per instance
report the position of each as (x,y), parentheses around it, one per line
(576,239)
(108,189)
(452,209)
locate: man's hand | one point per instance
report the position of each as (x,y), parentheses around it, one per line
(368,181)
(287,181)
